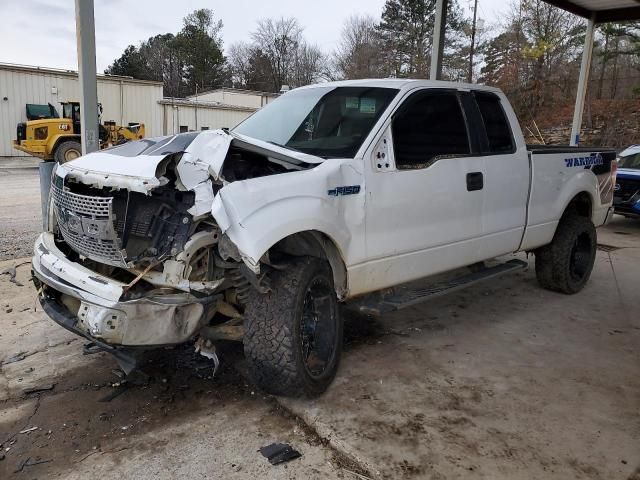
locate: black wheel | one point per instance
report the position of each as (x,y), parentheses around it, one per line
(67,151)
(565,264)
(293,334)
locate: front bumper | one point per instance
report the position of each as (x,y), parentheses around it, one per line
(34,150)
(90,304)
(628,209)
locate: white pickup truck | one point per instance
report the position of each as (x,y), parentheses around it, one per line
(338,192)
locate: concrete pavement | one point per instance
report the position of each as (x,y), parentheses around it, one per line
(500,381)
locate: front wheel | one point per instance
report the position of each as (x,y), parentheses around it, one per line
(565,264)
(67,151)
(293,334)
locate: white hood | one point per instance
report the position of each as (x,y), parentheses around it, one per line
(139,166)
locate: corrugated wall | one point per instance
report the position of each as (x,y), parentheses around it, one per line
(122,100)
(240,98)
(185,116)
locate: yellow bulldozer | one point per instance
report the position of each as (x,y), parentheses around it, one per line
(48,136)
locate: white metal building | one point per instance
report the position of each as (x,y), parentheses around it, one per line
(235,96)
(123,100)
(184,115)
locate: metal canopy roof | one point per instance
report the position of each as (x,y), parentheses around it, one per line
(601,10)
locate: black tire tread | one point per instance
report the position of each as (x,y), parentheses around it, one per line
(552,261)
(269,341)
(58,155)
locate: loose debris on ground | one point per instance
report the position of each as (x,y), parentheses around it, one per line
(278,453)
(12,272)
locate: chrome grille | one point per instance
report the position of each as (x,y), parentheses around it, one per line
(87,226)
(100,250)
(82,204)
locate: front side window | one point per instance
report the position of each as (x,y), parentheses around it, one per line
(329,122)
(630,161)
(428,126)
(496,123)
(37,112)
(67,111)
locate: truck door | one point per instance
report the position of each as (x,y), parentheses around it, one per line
(424,193)
(507,172)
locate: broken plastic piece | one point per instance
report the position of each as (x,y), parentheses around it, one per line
(27,430)
(207,349)
(278,453)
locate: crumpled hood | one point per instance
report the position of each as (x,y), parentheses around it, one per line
(139,166)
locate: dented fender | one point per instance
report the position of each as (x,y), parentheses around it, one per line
(257,213)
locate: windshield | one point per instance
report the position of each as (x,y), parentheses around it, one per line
(630,161)
(328,122)
(37,112)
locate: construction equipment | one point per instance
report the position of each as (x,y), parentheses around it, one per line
(50,137)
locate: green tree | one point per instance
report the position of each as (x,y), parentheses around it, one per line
(200,46)
(250,67)
(617,58)
(130,64)
(406,32)
(502,60)
(164,62)
(191,58)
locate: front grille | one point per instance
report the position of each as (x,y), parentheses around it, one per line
(87,226)
(97,249)
(84,204)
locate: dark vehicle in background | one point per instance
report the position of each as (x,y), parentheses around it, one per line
(626,195)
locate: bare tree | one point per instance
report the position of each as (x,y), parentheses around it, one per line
(279,41)
(309,65)
(239,57)
(359,51)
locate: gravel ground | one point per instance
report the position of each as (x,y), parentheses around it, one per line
(20,204)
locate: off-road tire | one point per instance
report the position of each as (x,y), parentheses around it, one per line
(64,149)
(273,342)
(554,261)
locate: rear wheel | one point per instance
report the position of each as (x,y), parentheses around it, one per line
(293,334)
(565,264)
(67,151)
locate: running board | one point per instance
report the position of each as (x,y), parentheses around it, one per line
(407,296)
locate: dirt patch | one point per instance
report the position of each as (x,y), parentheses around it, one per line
(79,419)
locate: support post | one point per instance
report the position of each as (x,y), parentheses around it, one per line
(437,49)
(583,83)
(86,38)
(45,170)
(473,42)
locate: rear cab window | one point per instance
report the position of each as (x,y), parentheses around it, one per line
(496,124)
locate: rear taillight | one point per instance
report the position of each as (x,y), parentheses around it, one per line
(614,170)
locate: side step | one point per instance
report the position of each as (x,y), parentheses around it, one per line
(408,295)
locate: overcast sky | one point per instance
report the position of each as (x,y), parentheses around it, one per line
(42,32)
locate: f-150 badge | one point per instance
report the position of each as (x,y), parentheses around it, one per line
(347,190)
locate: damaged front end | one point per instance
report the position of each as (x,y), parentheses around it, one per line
(133,256)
